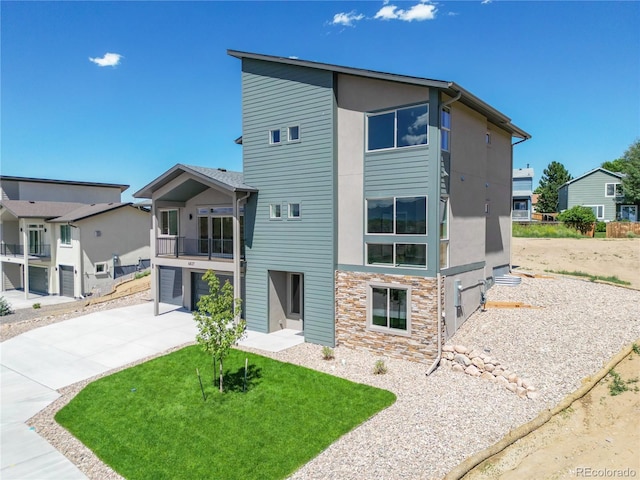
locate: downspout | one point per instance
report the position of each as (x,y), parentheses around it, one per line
(237,279)
(435,363)
(439,356)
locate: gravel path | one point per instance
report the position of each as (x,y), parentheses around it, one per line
(438,421)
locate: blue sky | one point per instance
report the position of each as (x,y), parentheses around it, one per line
(566,72)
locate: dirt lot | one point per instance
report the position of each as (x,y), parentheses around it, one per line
(596,256)
(599,435)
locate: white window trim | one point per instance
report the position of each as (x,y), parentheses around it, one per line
(272,215)
(395,263)
(105,271)
(271,132)
(291,217)
(606,188)
(395,129)
(426,216)
(388,330)
(169,235)
(597,207)
(293,140)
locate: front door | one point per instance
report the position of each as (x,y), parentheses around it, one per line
(295,301)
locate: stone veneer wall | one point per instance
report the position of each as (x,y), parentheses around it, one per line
(351,316)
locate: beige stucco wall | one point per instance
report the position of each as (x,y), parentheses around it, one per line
(67,193)
(355,97)
(351,316)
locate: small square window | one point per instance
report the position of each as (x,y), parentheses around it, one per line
(274,136)
(102,268)
(293,133)
(487,138)
(294,210)
(275,210)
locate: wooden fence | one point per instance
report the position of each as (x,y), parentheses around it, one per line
(623,229)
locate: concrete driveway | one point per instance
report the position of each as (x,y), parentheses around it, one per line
(17,301)
(37,363)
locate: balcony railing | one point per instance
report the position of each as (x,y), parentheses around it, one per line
(13,250)
(194,247)
(520,215)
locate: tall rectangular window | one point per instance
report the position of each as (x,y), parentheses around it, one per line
(399,128)
(380,215)
(65,234)
(169,222)
(388,308)
(274,136)
(445,128)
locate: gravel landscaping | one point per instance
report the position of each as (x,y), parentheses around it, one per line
(440,420)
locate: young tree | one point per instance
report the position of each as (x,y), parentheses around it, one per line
(218,319)
(578,217)
(553,177)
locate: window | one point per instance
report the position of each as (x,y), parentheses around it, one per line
(388,310)
(403,127)
(445,128)
(613,190)
(410,255)
(65,234)
(293,133)
(169,222)
(294,210)
(520,205)
(598,211)
(629,212)
(274,136)
(275,210)
(487,138)
(444,232)
(401,215)
(102,268)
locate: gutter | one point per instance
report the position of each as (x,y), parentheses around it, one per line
(451,100)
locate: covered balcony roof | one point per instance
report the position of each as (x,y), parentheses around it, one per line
(199,179)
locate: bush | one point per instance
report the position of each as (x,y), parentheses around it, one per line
(327,353)
(36,306)
(601,227)
(578,217)
(379,368)
(5,308)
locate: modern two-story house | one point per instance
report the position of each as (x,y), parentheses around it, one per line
(522,194)
(68,238)
(600,190)
(373,209)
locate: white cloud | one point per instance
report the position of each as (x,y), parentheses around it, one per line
(486,2)
(419,12)
(346,19)
(109,60)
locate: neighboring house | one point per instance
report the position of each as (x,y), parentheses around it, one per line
(601,190)
(68,238)
(376,207)
(522,194)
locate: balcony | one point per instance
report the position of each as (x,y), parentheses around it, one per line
(520,215)
(13,250)
(209,248)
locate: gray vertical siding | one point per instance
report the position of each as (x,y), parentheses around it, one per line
(278,96)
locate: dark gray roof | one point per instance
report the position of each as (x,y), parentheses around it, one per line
(57,212)
(216,177)
(86,211)
(64,182)
(450,88)
(46,210)
(613,174)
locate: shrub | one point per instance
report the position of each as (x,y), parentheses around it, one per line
(578,217)
(36,306)
(379,368)
(601,227)
(327,353)
(142,274)
(5,308)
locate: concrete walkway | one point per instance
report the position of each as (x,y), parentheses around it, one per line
(37,363)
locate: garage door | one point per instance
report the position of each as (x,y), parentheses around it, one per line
(66,281)
(39,280)
(171,285)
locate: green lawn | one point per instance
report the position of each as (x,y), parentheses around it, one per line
(544,230)
(150,421)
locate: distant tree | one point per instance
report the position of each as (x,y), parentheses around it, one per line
(618,165)
(631,180)
(578,217)
(553,177)
(218,319)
